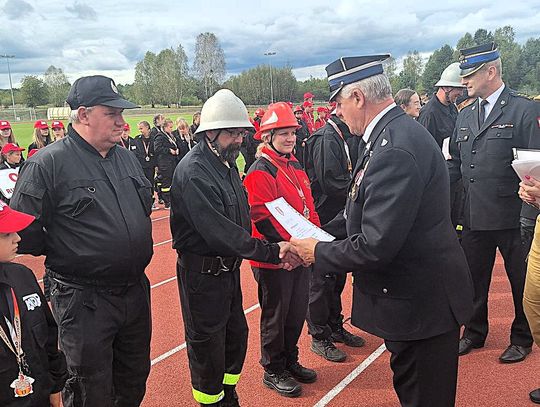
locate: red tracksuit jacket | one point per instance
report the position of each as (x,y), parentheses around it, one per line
(266,182)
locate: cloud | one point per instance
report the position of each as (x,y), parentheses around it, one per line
(17,8)
(82,11)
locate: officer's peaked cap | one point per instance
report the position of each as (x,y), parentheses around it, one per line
(346,70)
(474,58)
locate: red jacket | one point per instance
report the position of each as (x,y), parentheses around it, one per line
(264,183)
(308,118)
(319,123)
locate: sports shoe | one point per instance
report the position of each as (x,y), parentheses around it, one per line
(283,383)
(301,373)
(154,206)
(231,397)
(327,350)
(341,335)
(167,206)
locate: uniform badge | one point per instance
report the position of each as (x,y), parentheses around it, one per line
(147,158)
(32,301)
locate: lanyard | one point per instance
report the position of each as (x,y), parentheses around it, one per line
(345,145)
(295,184)
(17,340)
(146,147)
(172,140)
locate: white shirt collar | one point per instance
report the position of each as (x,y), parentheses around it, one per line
(492,99)
(376,119)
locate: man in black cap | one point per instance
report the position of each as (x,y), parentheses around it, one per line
(391,235)
(485,133)
(92,203)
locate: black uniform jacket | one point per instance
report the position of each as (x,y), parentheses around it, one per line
(328,168)
(140,142)
(184,145)
(47,365)
(411,279)
(439,119)
(210,212)
(483,156)
(92,213)
(162,145)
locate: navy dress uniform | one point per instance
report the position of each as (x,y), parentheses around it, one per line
(484,142)
(412,285)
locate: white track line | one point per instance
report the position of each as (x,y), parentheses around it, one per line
(183,345)
(350,377)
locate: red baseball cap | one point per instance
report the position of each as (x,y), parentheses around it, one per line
(307,104)
(32,152)
(11,147)
(4,124)
(126,126)
(308,95)
(41,124)
(12,221)
(322,109)
(56,124)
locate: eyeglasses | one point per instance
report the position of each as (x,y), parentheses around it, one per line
(236,133)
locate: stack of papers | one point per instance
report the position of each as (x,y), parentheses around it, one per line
(526,162)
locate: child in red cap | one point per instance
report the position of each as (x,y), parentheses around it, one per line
(33,370)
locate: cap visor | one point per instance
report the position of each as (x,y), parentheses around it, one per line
(470,71)
(120,104)
(15,222)
(335,93)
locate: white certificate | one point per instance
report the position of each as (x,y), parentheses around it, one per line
(295,223)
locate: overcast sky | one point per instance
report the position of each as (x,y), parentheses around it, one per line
(110,36)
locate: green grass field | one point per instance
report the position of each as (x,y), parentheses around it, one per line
(23,130)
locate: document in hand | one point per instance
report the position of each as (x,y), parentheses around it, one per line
(526,162)
(295,223)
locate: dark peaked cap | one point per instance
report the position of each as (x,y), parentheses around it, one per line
(346,70)
(474,58)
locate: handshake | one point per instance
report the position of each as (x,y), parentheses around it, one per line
(297,252)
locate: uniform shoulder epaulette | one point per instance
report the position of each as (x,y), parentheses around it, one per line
(520,95)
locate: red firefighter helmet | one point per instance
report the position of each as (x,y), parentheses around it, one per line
(278,116)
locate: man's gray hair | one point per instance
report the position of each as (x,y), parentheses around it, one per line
(497,64)
(74,115)
(376,89)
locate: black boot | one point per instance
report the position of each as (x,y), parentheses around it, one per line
(301,373)
(231,397)
(283,383)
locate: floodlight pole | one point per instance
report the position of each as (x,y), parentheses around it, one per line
(10,84)
(268,54)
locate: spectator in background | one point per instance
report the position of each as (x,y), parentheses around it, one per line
(6,135)
(409,101)
(11,158)
(322,117)
(184,136)
(159,120)
(167,153)
(125,140)
(195,122)
(58,130)
(302,134)
(41,136)
(308,97)
(144,151)
(308,116)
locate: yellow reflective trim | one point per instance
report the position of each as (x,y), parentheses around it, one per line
(165,189)
(459,227)
(231,379)
(204,398)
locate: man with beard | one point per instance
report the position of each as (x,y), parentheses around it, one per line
(211,230)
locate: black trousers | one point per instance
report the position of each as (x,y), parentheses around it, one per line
(425,371)
(164,181)
(480,250)
(215,328)
(457,202)
(324,311)
(150,173)
(283,296)
(105,335)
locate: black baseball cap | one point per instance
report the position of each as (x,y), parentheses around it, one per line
(96,90)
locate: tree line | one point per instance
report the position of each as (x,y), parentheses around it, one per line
(167,78)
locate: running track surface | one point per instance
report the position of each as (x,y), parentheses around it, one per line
(364,379)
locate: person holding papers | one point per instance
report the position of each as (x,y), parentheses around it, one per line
(283,295)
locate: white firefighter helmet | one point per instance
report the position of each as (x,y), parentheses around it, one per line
(223,110)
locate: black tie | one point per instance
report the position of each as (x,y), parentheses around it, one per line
(482,112)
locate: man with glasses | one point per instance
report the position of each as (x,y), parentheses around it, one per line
(211,230)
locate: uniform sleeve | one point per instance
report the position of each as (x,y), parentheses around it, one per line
(32,195)
(327,158)
(531,125)
(261,188)
(205,211)
(392,198)
(160,144)
(426,120)
(337,227)
(454,164)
